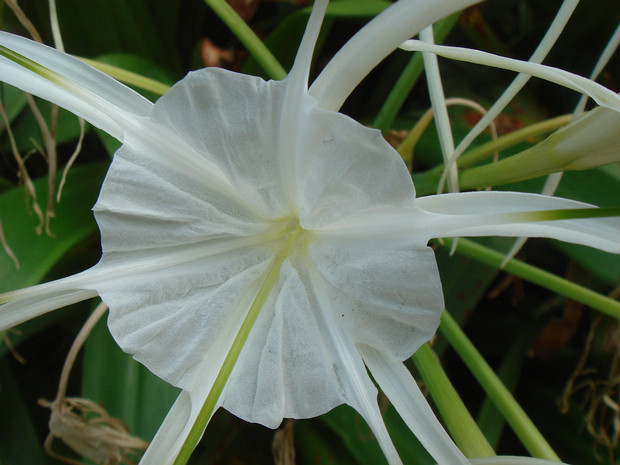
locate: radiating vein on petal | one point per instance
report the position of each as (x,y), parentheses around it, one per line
(241,142)
(171,319)
(144,205)
(289,368)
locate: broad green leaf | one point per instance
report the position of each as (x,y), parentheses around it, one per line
(126,389)
(138,65)
(465,280)
(360,442)
(73,223)
(19,442)
(120,27)
(284,39)
(315,444)
(13,101)
(489,420)
(357,8)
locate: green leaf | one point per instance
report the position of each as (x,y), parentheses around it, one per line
(74,222)
(465,280)
(355,434)
(141,66)
(286,36)
(315,444)
(14,102)
(360,442)
(490,420)
(126,389)
(120,26)
(28,136)
(19,443)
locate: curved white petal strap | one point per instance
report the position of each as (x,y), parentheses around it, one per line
(179,422)
(296,101)
(506,214)
(70,83)
(440,108)
(600,94)
(608,52)
(544,47)
(374,42)
(553,180)
(26,308)
(303,59)
(171,435)
(31,302)
(399,386)
(355,375)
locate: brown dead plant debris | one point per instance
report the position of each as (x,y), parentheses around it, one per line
(84,425)
(283,444)
(600,392)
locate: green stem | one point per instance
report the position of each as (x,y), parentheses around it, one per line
(245,34)
(457,418)
(537,276)
(235,350)
(489,419)
(521,424)
(128,77)
(395,99)
(410,75)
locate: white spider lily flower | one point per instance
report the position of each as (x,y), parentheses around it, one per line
(249,218)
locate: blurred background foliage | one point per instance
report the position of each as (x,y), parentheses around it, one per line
(559,357)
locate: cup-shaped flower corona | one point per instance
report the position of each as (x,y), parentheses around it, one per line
(262,251)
